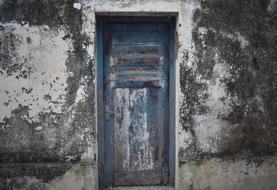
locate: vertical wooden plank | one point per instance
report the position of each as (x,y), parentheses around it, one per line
(172,102)
(108,107)
(141,149)
(135,133)
(99,102)
(122,123)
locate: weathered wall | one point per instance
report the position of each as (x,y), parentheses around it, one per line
(226,95)
(47,95)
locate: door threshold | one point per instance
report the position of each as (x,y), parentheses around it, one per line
(144,188)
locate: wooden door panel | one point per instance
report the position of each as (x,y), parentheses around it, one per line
(136,101)
(135,55)
(130,37)
(136,129)
(149,177)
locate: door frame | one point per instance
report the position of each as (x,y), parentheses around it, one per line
(100,20)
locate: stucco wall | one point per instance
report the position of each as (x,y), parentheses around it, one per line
(226,92)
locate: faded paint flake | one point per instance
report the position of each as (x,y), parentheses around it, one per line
(132,149)
(77,6)
(211,130)
(246,29)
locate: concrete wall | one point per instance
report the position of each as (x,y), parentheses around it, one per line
(226,92)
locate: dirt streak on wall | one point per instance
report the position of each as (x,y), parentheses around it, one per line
(226,91)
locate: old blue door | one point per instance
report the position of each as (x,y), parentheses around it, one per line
(136,103)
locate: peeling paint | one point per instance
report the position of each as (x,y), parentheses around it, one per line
(42,73)
(132,132)
(226,89)
(77,6)
(236,37)
(81,94)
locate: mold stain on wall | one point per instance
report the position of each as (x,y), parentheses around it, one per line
(47,92)
(41,74)
(226,91)
(225,85)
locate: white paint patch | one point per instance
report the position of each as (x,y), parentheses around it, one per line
(210,129)
(13,25)
(87,156)
(272,5)
(39,128)
(236,36)
(185,138)
(210,132)
(186,45)
(81,94)
(45,56)
(185,25)
(77,6)
(136,6)
(202,32)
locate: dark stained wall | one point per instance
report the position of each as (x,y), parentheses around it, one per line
(235,44)
(227,92)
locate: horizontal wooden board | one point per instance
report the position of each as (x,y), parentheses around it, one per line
(135,54)
(137,178)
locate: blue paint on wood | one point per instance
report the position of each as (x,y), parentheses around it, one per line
(172,102)
(99,100)
(136,91)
